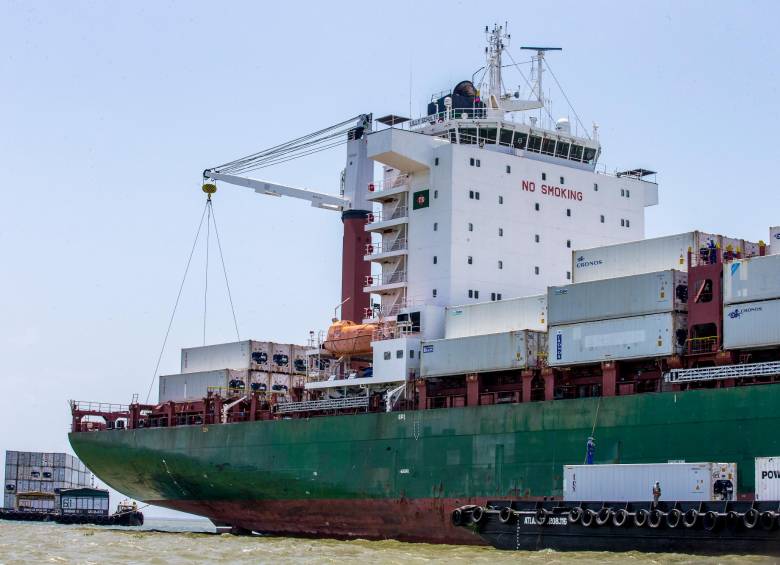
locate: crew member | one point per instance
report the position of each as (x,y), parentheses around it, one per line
(656,491)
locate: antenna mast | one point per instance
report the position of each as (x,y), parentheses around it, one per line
(498,40)
(540,51)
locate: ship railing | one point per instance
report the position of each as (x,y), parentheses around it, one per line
(383,279)
(379,247)
(323,405)
(701,345)
(390,183)
(394,309)
(97,407)
(393,330)
(766,369)
(381,216)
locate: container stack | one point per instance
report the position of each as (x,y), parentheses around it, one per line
(33,479)
(235,366)
(632,317)
(751,303)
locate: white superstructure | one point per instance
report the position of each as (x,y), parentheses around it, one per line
(481,203)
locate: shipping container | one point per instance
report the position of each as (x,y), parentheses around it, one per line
(751,325)
(624,483)
(774,240)
(749,280)
(482,353)
(654,335)
(623,297)
(767,478)
(194,386)
(525,313)
(650,255)
(248,355)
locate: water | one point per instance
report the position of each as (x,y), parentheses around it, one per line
(172,542)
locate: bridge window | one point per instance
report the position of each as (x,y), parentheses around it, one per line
(535,144)
(548,146)
(562,150)
(487,135)
(589,155)
(576,153)
(520,140)
(468,135)
(506,137)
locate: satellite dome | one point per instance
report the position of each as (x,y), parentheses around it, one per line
(563,125)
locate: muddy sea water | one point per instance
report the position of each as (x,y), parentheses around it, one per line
(171,542)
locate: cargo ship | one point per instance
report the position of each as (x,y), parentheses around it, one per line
(502,315)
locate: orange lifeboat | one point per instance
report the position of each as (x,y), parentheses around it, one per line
(349,338)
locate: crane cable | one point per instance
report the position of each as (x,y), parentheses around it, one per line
(208,213)
(308,144)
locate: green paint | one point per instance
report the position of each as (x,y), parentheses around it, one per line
(421,199)
(504,450)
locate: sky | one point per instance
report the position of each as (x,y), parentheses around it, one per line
(110,111)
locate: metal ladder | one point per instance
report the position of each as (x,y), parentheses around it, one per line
(724,372)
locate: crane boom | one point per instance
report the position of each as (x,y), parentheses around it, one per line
(317,199)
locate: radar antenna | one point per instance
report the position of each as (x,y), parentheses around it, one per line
(539,59)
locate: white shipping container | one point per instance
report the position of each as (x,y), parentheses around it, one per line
(248,354)
(636,295)
(767,478)
(634,483)
(654,335)
(481,353)
(648,255)
(194,386)
(774,240)
(524,313)
(748,280)
(751,324)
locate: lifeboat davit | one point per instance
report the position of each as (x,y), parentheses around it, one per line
(349,338)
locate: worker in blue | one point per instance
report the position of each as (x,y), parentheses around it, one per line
(590,450)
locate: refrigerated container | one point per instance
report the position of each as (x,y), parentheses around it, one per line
(749,280)
(750,325)
(623,297)
(249,354)
(650,255)
(767,478)
(482,353)
(524,313)
(634,482)
(194,386)
(774,240)
(638,337)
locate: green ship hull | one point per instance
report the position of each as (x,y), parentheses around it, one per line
(398,475)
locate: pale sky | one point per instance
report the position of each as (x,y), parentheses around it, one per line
(110,111)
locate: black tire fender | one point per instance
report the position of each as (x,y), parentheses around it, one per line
(588,518)
(640,517)
(506,515)
(457,517)
(674,518)
(575,514)
(750,518)
(711,521)
(767,520)
(620,518)
(656,518)
(477,514)
(691,518)
(603,516)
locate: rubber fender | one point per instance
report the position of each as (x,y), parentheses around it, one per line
(588,518)
(477,514)
(575,515)
(603,516)
(656,518)
(674,518)
(506,515)
(457,517)
(768,520)
(711,521)
(640,517)
(691,518)
(620,517)
(750,518)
